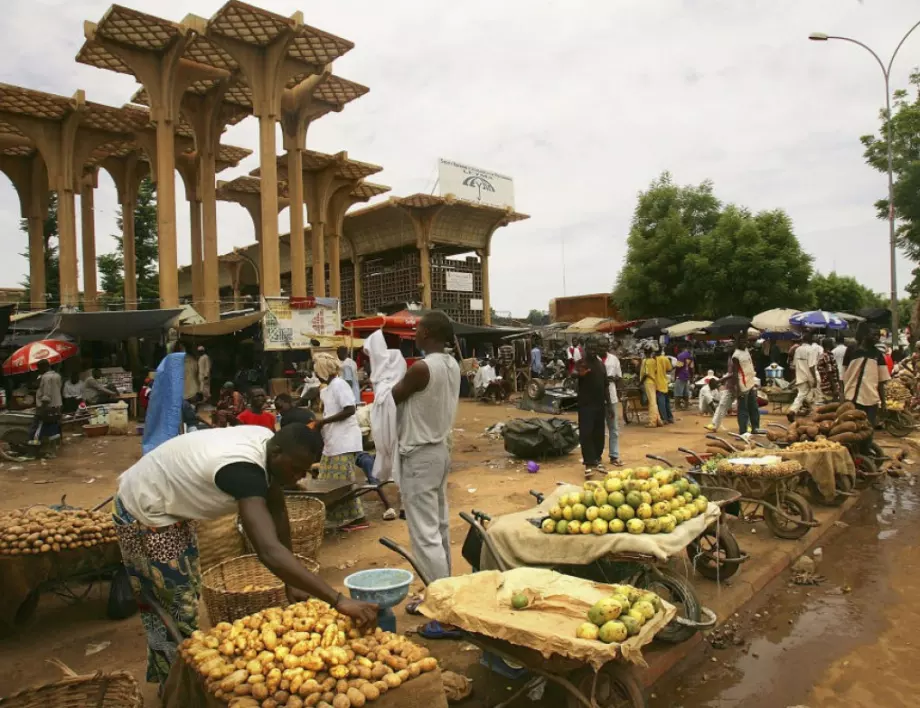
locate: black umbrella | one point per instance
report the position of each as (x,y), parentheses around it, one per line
(732,324)
(653,327)
(877,315)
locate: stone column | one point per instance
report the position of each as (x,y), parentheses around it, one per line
(424,253)
(486,293)
(88,232)
(128,205)
(359,291)
(298,246)
(194,207)
(36,262)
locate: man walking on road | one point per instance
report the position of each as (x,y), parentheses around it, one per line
(426,400)
(805,364)
(739,385)
(593,408)
(684,375)
(662,386)
(614,374)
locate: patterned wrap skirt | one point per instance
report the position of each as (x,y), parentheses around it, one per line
(342,469)
(163,562)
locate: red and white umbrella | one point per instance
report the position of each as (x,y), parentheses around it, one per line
(25,359)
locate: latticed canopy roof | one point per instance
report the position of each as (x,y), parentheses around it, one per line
(313,161)
(232,190)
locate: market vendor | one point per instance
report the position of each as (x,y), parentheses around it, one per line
(206,476)
(229,405)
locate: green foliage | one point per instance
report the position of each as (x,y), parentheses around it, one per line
(52,267)
(843,293)
(146,250)
(668,225)
(537,318)
(905,127)
(688,254)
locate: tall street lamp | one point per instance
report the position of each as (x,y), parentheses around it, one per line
(886,72)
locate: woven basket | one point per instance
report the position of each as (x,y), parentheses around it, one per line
(219,540)
(225,592)
(117,689)
(307,517)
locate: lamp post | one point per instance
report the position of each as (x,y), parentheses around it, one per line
(892,241)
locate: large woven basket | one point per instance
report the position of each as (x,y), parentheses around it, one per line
(240,586)
(307,517)
(218,540)
(117,689)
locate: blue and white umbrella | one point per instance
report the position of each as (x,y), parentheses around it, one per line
(818,319)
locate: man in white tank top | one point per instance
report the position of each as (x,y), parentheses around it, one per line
(426,401)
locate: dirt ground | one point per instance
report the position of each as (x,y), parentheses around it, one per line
(483,477)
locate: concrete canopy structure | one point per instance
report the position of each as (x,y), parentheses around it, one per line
(241,61)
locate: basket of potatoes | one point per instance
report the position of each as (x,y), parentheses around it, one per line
(240,586)
(307,654)
(41,529)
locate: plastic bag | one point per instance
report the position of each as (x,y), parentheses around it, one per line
(122,603)
(539,438)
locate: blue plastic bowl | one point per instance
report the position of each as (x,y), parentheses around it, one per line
(385,587)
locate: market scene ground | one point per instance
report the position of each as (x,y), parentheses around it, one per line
(845,641)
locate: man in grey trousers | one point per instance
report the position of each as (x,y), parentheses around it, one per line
(426,402)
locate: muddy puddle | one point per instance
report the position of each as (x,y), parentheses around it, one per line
(779,647)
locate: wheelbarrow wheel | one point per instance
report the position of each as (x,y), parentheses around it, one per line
(709,551)
(866,470)
(795,506)
(673,588)
(899,424)
(616,687)
(843,484)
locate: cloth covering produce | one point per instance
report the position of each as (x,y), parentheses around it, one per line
(558,604)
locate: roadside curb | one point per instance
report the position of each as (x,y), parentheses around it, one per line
(663,658)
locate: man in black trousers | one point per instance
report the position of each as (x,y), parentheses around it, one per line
(593,408)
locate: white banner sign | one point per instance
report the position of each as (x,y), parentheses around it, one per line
(475,185)
(291,324)
(461,282)
(476,304)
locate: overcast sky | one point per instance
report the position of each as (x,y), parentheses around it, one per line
(583,103)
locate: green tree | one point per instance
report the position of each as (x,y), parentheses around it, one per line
(52,268)
(667,226)
(905,131)
(537,317)
(146,251)
(842,293)
(750,263)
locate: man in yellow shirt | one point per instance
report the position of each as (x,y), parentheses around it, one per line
(662,384)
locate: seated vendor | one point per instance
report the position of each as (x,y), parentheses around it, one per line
(202,477)
(96,391)
(73,393)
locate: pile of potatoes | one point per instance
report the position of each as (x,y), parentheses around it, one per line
(837,422)
(44,530)
(306,654)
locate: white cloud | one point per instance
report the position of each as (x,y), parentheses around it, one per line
(583,103)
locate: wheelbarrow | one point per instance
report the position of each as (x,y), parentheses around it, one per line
(787,514)
(613,686)
(636,569)
(715,553)
(843,484)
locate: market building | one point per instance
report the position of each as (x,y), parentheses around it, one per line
(425,249)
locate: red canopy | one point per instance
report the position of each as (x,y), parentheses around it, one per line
(405,320)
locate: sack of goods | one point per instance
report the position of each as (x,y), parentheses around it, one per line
(44,530)
(306,654)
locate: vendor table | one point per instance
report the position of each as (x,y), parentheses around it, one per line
(131,400)
(22,578)
(184,689)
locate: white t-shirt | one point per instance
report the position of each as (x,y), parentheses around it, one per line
(804,360)
(175,482)
(574,353)
(839,352)
(747,377)
(345,436)
(709,396)
(612,365)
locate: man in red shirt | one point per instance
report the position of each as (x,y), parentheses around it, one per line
(254,415)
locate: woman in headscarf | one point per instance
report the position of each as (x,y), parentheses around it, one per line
(341,438)
(648,373)
(229,405)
